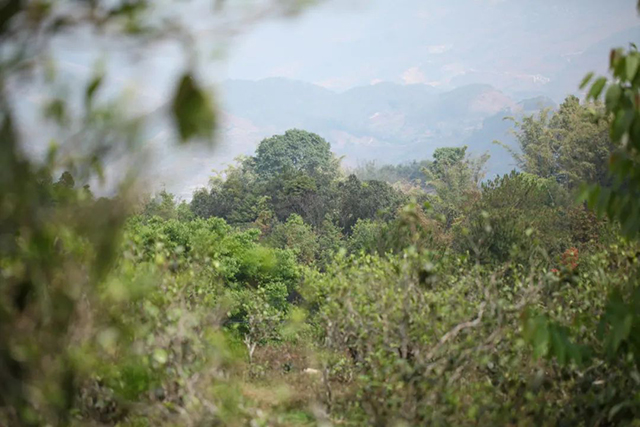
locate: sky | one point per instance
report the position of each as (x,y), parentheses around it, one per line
(440,43)
(518,46)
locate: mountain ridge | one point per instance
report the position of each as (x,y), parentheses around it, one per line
(379,117)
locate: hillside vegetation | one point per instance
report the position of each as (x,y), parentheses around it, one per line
(287,293)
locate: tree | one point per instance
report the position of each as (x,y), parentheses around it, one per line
(296,151)
(454,177)
(329,241)
(162,205)
(621,201)
(57,314)
(202,203)
(617,325)
(567,145)
(233,195)
(301,186)
(297,236)
(366,200)
(516,214)
(297,170)
(296,192)
(408,174)
(66,180)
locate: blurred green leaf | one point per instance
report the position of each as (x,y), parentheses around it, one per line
(56,110)
(632,62)
(192,110)
(612,96)
(91,89)
(621,124)
(160,356)
(596,88)
(585,81)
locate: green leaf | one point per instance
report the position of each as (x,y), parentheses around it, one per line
(594,194)
(56,110)
(160,356)
(614,59)
(559,345)
(583,193)
(596,88)
(620,330)
(585,81)
(632,62)
(92,87)
(540,337)
(192,110)
(612,97)
(635,132)
(621,124)
(617,408)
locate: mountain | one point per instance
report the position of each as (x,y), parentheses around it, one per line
(499,128)
(574,67)
(385,122)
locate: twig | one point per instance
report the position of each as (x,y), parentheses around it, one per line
(455,331)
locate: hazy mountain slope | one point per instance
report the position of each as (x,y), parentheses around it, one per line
(575,66)
(277,102)
(385,122)
(499,128)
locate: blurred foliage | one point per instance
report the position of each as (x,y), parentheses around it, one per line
(406,175)
(620,200)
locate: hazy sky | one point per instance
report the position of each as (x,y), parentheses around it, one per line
(345,43)
(515,45)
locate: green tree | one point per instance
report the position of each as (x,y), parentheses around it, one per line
(329,241)
(567,145)
(294,234)
(621,200)
(366,200)
(367,236)
(408,174)
(232,195)
(162,205)
(296,192)
(454,177)
(612,337)
(297,170)
(61,313)
(296,151)
(620,326)
(516,214)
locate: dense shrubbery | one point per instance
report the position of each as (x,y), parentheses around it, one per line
(433,339)
(481,307)
(472,303)
(436,314)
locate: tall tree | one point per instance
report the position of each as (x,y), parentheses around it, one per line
(454,177)
(567,145)
(366,200)
(296,151)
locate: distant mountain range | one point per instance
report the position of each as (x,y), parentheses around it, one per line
(386,122)
(389,122)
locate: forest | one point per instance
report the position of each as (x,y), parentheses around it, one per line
(293,291)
